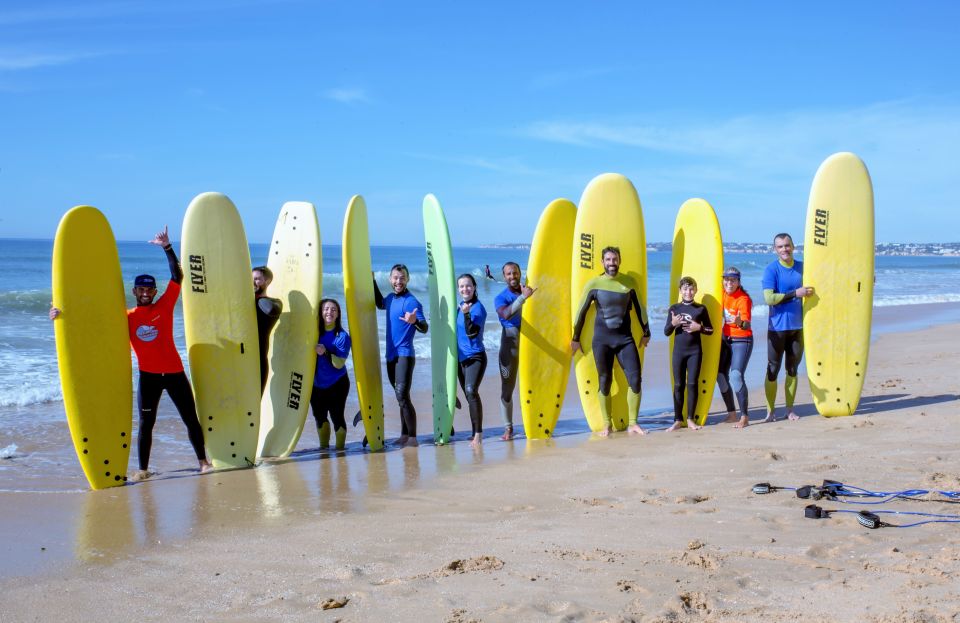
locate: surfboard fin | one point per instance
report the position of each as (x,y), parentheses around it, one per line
(357,419)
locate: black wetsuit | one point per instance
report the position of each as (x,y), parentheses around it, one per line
(612,336)
(687,355)
(268,313)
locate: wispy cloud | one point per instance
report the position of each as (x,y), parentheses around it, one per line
(22,61)
(509,165)
(347,95)
(559,78)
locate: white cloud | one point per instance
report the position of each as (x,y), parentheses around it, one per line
(21,61)
(346,95)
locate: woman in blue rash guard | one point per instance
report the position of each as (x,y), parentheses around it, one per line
(471,354)
(330,382)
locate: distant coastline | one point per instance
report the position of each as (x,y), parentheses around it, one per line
(925,249)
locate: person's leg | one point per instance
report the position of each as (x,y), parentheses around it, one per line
(740,357)
(629,358)
(472,373)
(603,356)
(392,377)
(723,378)
(794,353)
(148,397)
(338,404)
(404,381)
(678,364)
(180,392)
(320,405)
(693,388)
(775,346)
(509,357)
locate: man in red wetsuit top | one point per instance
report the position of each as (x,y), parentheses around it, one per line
(151,335)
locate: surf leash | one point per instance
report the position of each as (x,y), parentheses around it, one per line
(872,520)
(840,492)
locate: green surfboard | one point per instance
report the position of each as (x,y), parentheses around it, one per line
(443,318)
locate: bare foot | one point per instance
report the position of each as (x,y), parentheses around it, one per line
(771,417)
(792,416)
(476,441)
(411,442)
(634,429)
(206,466)
(676,426)
(693,425)
(402,440)
(507,432)
(605,432)
(731,417)
(140,475)
(743,423)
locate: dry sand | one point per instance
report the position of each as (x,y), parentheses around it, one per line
(660,528)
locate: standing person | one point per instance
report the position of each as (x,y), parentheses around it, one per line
(404,316)
(783,291)
(508,304)
(268,313)
(735,347)
(330,382)
(687,320)
(471,354)
(151,335)
(488,273)
(615,295)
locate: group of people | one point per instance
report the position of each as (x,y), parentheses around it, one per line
(614,294)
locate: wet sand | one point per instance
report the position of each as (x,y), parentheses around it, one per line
(660,528)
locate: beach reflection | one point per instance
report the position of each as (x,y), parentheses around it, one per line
(105,530)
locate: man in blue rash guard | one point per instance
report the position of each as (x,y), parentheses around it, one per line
(508,305)
(783,291)
(404,316)
(615,295)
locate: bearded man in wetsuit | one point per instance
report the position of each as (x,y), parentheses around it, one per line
(151,335)
(268,313)
(509,304)
(615,295)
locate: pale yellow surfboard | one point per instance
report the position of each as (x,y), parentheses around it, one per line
(297,266)
(93,345)
(220,323)
(698,253)
(361,313)
(546,327)
(838,262)
(609,215)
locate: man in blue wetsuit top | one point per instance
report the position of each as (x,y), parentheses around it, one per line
(508,305)
(783,291)
(404,316)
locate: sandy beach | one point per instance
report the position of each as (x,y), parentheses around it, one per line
(659,528)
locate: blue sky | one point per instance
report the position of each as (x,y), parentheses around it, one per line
(496,107)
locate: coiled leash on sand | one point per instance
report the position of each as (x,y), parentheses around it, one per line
(872,520)
(838,492)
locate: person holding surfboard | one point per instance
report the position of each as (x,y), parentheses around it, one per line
(268,313)
(330,381)
(404,316)
(736,346)
(783,291)
(471,354)
(508,305)
(615,295)
(687,320)
(151,335)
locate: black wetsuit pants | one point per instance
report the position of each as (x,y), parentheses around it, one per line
(331,400)
(686,375)
(400,374)
(734,356)
(148,398)
(470,372)
(606,347)
(784,345)
(509,361)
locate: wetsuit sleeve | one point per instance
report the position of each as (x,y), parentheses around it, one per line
(775,298)
(341,345)
(509,311)
(471,328)
(706,327)
(668,328)
(176,273)
(271,307)
(588,298)
(421,325)
(377,297)
(745,307)
(641,313)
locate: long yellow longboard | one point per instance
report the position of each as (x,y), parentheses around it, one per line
(297,266)
(545,327)
(93,345)
(609,215)
(838,258)
(220,323)
(698,253)
(361,312)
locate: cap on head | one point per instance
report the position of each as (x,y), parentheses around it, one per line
(144,281)
(731,273)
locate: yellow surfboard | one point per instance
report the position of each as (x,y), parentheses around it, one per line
(609,215)
(220,323)
(297,266)
(93,345)
(545,328)
(361,313)
(698,253)
(838,257)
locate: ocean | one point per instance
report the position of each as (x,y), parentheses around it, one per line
(30,397)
